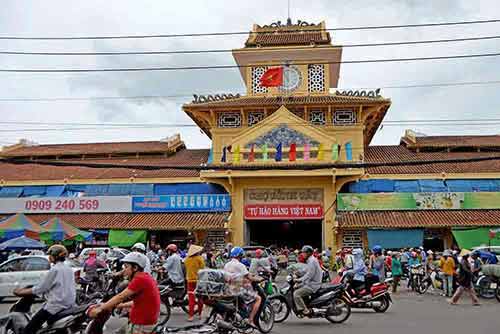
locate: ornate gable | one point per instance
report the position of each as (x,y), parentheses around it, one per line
(283,127)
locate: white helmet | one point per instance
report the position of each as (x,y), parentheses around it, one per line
(430,252)
(136,258)
(140,246)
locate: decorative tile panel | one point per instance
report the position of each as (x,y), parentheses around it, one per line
(284,135)
(316,78)
(254,117)
(257,73)
(344,117)
(229,120)
(317,117)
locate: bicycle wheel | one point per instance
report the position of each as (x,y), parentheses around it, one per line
(165,311)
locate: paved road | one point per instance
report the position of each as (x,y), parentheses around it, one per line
(411,314)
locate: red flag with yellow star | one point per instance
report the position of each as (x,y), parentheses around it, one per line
(273,77)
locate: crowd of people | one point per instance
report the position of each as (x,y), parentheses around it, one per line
(141,268)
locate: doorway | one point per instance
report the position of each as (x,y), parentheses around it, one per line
(290,233)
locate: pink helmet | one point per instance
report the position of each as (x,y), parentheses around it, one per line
(172,247)
(259,252)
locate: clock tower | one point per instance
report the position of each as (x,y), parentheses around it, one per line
(310,62)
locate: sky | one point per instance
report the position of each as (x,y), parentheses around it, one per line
(62,18)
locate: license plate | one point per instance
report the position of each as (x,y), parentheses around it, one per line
(493,286)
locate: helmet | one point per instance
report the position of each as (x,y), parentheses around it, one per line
(172,247)
(377,249)
(59,252)
(259,252)
(447,253)
(413,254)
(139,246)
(237,252)
(307,249)
(92,253)
(430,252)
(72,256)
(136,258)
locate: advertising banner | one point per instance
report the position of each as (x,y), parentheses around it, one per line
(419,201)
(182,203)
(65,204)
(283,211)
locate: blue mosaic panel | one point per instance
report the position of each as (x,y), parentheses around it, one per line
(283,134)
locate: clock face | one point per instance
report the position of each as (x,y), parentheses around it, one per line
(291,78)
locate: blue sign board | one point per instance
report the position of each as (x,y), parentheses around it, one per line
(182,203)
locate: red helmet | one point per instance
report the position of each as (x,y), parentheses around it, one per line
(413,254)
(172,247)
(92,253)
(259,252)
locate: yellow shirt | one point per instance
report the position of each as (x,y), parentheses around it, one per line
(447,266)
(193,265)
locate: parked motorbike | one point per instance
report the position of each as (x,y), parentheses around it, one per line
(328,302)
(433,279)
(68,321)
(373,294)
(417,277)
(229,314)
(487,287)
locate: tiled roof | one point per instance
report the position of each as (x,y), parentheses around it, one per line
(292,100)
(279,38)
(146,221)
(29,172)
(90,148)
(400,153)
(422,218)
(452,141)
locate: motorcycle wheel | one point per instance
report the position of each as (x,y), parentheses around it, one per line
(384,306)
(265,322)
(423,287)
(484,289)
(338,311)
(164,313)
(281,309)
(497,294)
(185,305)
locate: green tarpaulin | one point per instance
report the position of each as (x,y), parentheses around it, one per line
(470,238)
(126,238)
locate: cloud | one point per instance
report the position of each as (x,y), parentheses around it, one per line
(93,17)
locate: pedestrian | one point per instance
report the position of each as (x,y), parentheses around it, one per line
(397,270)
(377,263)
(405,256)
(464,281)
(194,263)
(447,265)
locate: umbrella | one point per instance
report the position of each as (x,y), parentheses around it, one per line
(19,225)
(59,230)
(21,243)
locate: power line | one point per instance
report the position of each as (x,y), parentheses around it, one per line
(250,166)
(121,53)
(159,126)
(373,27)
(208,67)
(139,97)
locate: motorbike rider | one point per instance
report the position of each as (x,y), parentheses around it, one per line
(141,248)
(173,266)
(91,265)
(377,263)
(238,270)
(143,292)
(347,258)
(259,264)
(58,288)
(359,270)
(310,282)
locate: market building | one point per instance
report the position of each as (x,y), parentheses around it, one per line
(289,165)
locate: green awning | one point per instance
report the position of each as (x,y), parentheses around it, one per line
(470,238)
(126,238)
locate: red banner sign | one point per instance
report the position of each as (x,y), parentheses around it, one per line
(283,211)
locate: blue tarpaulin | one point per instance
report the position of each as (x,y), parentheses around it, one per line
(11,191)
(119,189)
(396,238)
(29,191)
(382,186)
(55,191)
(188,188)
(142,189)
(432,186)
(96,190)
(73,190)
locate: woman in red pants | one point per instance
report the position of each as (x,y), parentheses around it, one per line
(194,263)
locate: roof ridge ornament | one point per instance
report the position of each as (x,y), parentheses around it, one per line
(289,23)
(360,93)
(213,98)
